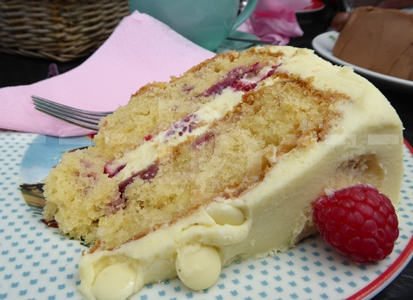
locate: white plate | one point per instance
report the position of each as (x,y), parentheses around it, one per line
(324,43)
(36,262)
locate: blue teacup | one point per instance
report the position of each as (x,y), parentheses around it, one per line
(205,22)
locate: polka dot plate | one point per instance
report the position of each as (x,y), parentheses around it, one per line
(36,262)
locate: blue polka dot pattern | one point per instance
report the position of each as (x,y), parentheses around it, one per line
(36,262)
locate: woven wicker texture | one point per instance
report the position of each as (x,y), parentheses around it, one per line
(60,30)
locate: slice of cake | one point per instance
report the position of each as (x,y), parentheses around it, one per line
(223,163)
(378,39)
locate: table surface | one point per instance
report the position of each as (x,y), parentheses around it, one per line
(19,70)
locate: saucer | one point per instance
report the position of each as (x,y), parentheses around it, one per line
(228,45)
(37,260)
(311,13)
(315,5)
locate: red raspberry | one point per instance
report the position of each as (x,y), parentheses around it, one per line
(358,222)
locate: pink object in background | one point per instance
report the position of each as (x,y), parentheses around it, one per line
(275,20)
(140,50)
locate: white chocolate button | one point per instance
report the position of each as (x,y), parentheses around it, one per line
(198,266)
(224,213)
(114,282)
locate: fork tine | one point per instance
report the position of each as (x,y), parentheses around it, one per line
(66,115)
(79,117)
(71,119)
(52,104)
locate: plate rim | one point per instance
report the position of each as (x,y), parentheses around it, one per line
(384,279)
(318,44)
(389,273)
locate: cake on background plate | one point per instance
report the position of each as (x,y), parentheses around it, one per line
(378,39)
(222,163)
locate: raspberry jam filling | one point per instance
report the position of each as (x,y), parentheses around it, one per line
(241,78)
(146,175)
(120,202)
(112,170)
(143,161)
(186,125)
(202,140)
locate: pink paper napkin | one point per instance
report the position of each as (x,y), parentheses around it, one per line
(275,20)
(139,51)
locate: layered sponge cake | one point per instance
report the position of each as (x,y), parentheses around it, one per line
(222,163)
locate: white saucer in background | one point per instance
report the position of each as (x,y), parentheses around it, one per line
(228,45)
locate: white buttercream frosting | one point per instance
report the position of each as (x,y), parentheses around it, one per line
(272,216)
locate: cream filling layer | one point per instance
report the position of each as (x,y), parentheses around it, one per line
(147,153)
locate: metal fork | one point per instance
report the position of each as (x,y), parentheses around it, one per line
(80,117)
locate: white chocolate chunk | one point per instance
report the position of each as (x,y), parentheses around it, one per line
(224,213)
(114,282)
(198,266)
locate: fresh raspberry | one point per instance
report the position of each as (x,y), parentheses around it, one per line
(358,222)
